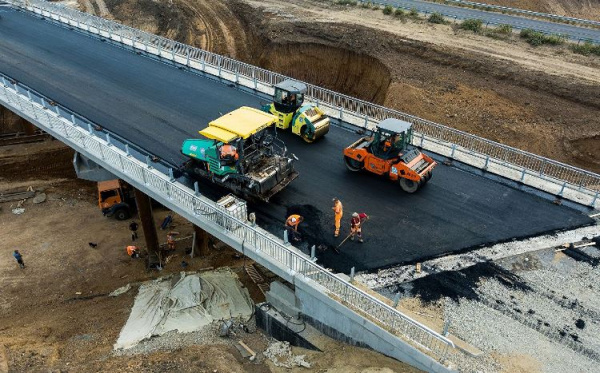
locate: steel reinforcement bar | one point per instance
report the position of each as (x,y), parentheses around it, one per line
(251,240)
(523,167)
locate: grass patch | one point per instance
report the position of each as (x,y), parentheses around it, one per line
(365,5)
(388,10)
(536,38)
(414,13)
(501,32)
(474,25)
(587,49)
(347,2)
(399,13)
(437,18)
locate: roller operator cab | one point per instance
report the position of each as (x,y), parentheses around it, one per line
(388,152)
(240,151)
(307,120)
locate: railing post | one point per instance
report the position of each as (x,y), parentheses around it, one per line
(127,150)
(595,199)
(396,300)
(171,175)
(148,162)
(108,142)
(285,237)
(313,256)
(522,176)
(352,274)
(196,189)
(562,189)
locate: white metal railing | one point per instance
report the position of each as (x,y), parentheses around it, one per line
(45,114)
(564,180)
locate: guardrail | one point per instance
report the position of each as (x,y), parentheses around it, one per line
(542,173)
(549,16)
(57,121)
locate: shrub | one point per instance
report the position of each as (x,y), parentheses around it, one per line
(413,13)
(399,13)
(347,2)
(388,10)
(504,29)
(586,49)
(472,25)
(366,5)
(536,38)
(437,18)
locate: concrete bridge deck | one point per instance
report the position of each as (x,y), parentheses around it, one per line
(156,106)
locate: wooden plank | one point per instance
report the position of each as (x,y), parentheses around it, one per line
(7,197)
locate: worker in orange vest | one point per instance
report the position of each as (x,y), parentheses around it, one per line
(133,252)
(229,153)
(355,225)
(171,240)
(338,210)
(291,225)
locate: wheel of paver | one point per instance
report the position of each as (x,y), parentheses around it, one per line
(304,135)
(353,164)
(409,186)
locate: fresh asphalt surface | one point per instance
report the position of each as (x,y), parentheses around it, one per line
(157,106)
(495,18)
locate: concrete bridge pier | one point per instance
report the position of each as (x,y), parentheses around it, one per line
(201,242)
(144,206)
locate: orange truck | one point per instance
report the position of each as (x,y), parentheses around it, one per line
(116,198)
(388,152)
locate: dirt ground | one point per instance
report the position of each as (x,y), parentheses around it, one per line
(55,314)
(544,100)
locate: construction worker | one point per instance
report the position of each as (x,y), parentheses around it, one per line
(291,226)
(355,225)
(171,240)
(133,251)
(229,153)
(133,227)
(338,210)
(19,258)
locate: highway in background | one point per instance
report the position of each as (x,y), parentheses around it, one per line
(157,106)
(517,22)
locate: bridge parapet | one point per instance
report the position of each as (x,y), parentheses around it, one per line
(252,241)
(529,169)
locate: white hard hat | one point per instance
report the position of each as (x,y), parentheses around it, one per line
(293,220)
(355,215)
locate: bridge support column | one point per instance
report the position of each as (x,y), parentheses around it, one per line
(146,217)
(28,128)
(201,244)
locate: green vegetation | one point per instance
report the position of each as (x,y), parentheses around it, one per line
(365,5)
(347,2)
(474,25)
(399,13)
(587,48)
(537,38)
(388,10)
(414,13)
(437,18)
(501,32)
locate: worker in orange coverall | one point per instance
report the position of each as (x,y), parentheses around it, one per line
(338,210)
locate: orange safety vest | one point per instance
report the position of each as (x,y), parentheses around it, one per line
(293,221)
(131,250)
(229,150)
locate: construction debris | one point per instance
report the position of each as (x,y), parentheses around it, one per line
(15,196)
(41,197)
(18,211)
(186,305)
(281,355)
(119,291)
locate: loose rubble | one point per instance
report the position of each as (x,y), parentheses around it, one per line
(281,355)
